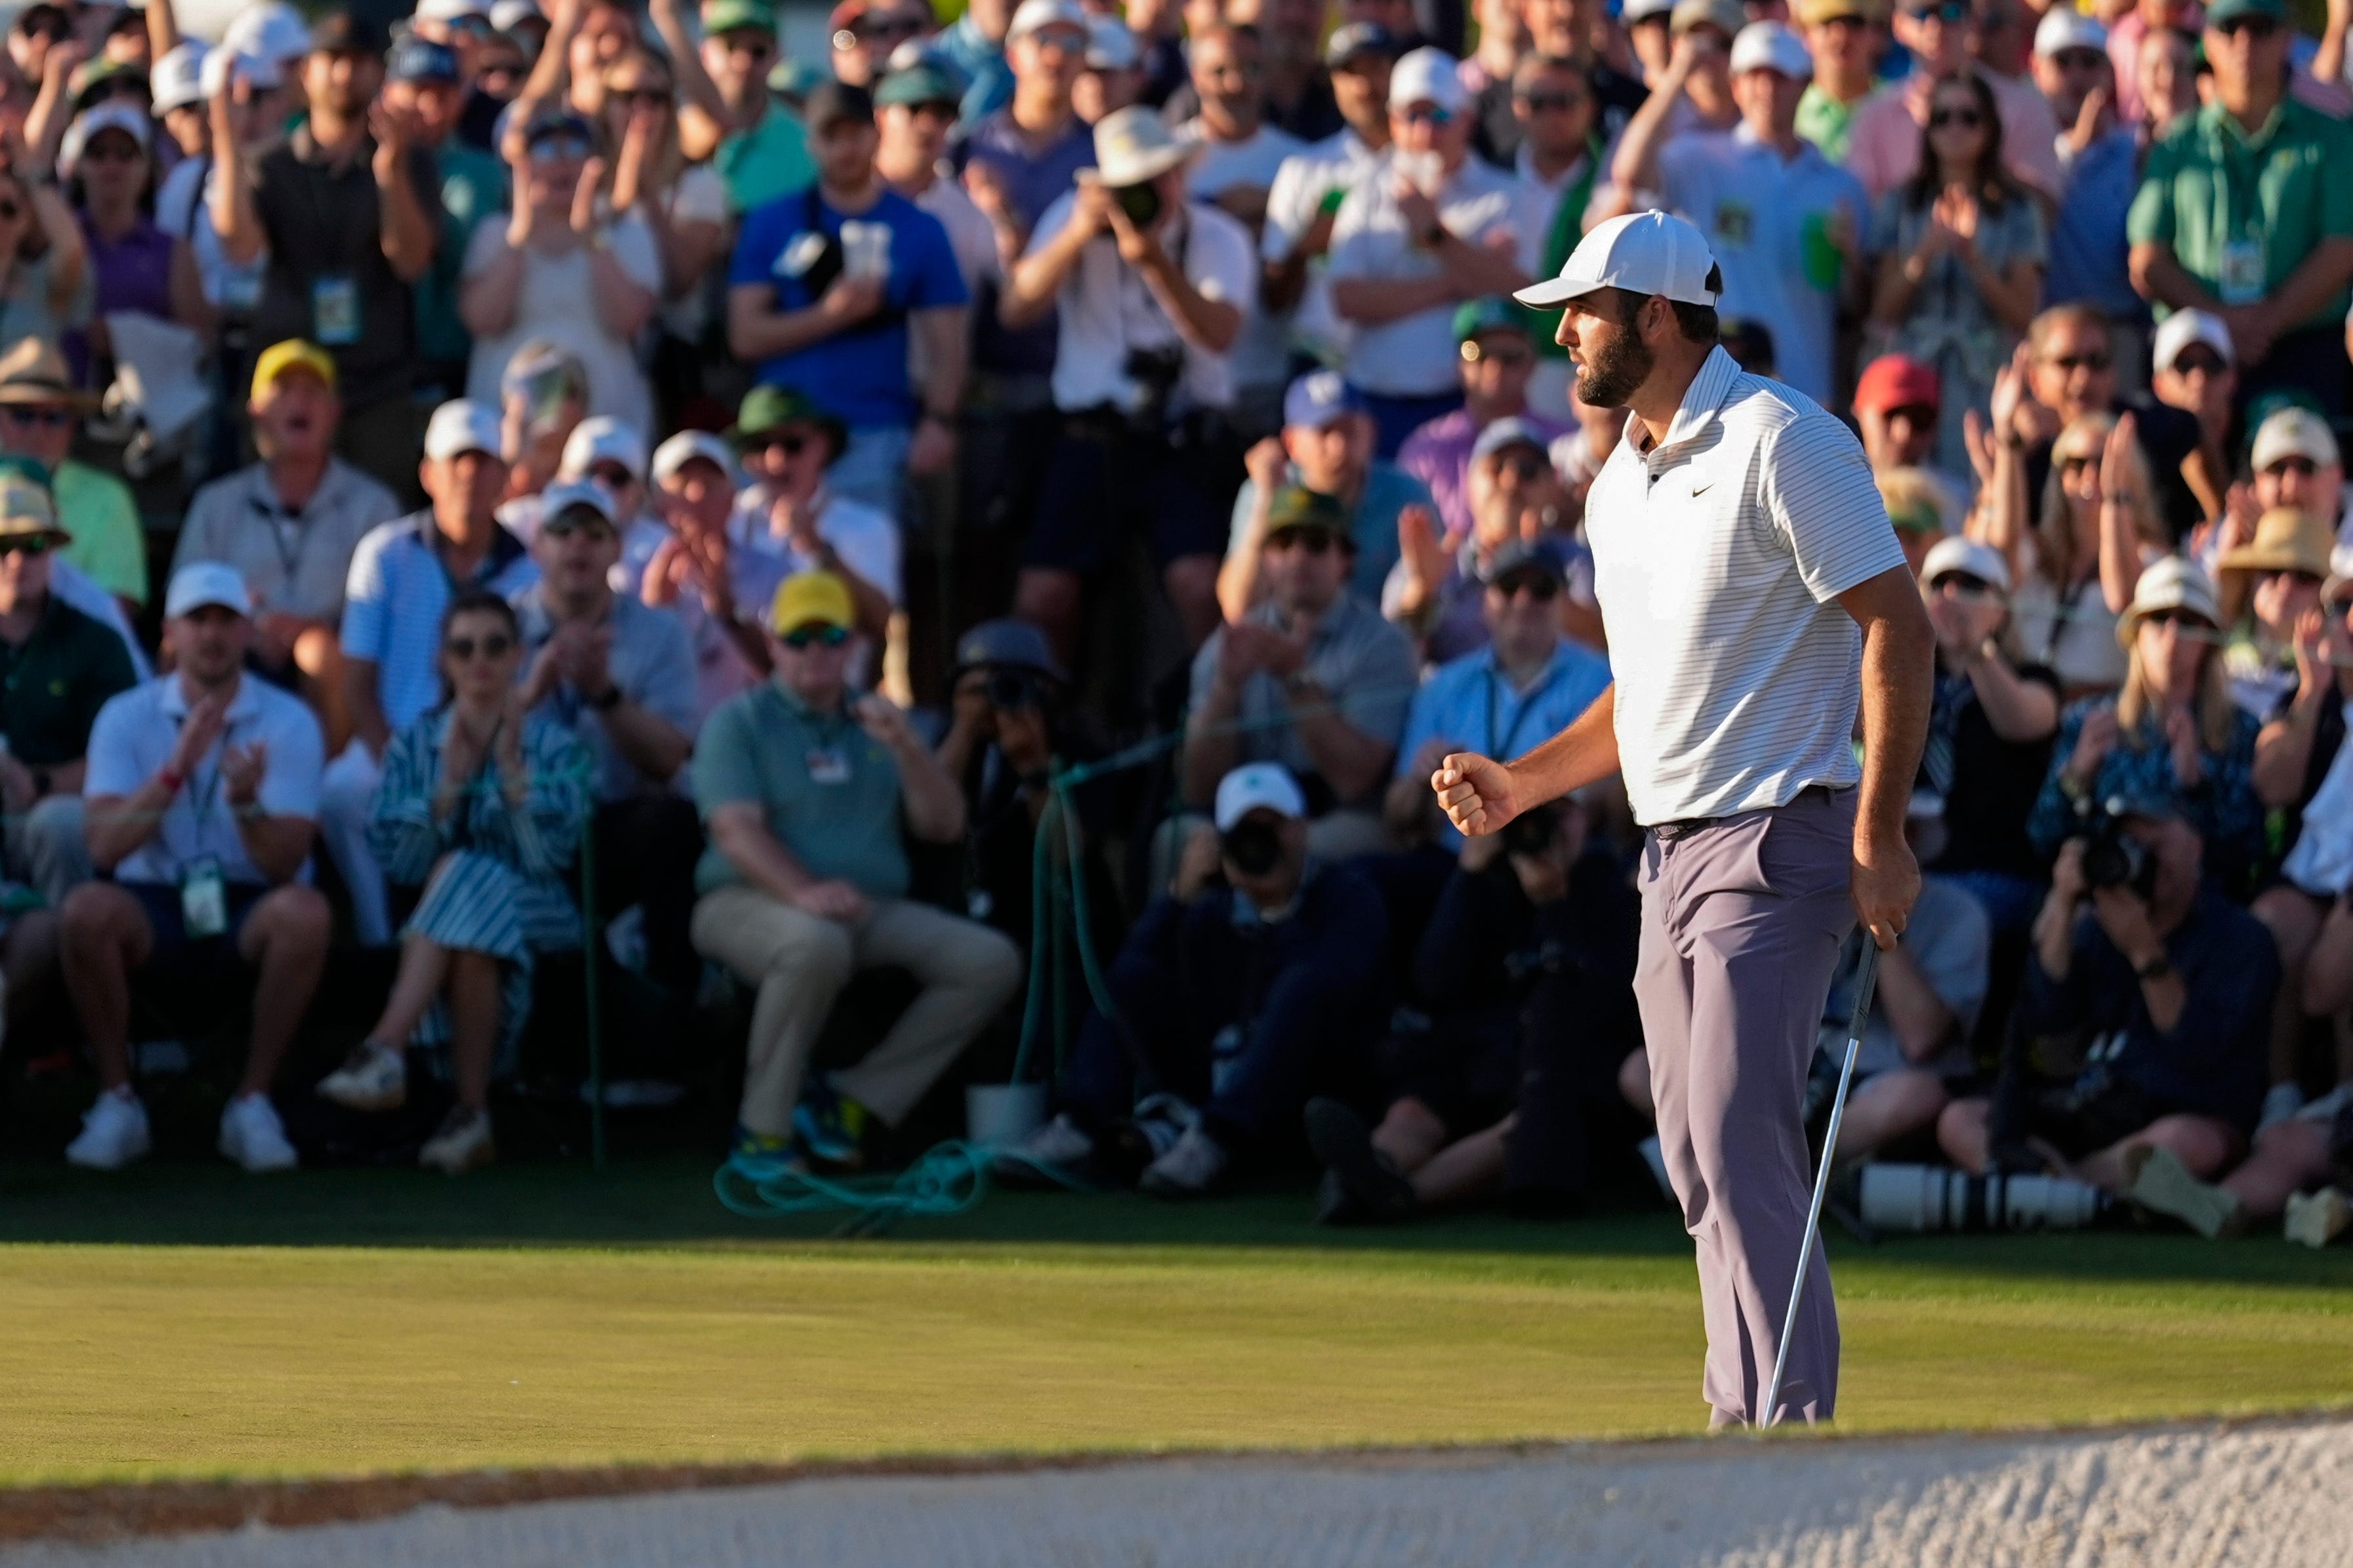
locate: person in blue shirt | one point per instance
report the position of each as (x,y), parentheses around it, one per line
(828,285)
(2100,159)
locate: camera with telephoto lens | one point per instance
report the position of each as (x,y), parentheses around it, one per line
(1141,203)
(1151,375)
(1531,832)
(2113,857)
(1015,690)
(1253,845)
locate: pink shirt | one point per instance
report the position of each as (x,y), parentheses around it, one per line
(1883,150)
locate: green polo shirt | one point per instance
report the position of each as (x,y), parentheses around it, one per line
(759,164)
(1826,122)
(2257,205)
(473,188)
(108,545)
(54,682)
(830,790)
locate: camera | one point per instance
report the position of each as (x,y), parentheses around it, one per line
(1152,377)
(1253,845)
(1140,203)
(1531,832)
(2113,857)
(1015,690)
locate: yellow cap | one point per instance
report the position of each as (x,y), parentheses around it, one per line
(292,354)
(808,597)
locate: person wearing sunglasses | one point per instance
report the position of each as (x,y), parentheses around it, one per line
(2267,588)
(135,267)
(726,115)
(2101,158)
(2277,269)
(40,409)
(684,206)
(482,809)
(915,110)
(789,514)
(1886,143)
(810,793)
(426,81)
(1512,492)
(2195,368)
(2295,462)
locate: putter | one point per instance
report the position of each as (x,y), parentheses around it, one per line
(1866,977)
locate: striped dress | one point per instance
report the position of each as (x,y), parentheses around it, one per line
(493,874)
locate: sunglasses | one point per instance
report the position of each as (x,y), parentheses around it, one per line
(1966,119)
(791,442)
(1426,114)
(757,48)
(1967,584)
(2302,468)
(629,96)
(28,544)
(802,638)
(2081,362)
(1918,413)
(1313,541)
(2255,28)
(1537,585)
(942,110)
(2177,620)
(557,149)
(37,418)
(577,521)
(1551,102)
(111,152)
(497,645)
(2198,361)
(612,476)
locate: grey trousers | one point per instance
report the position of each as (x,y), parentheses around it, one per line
(1741,921)
(45,848)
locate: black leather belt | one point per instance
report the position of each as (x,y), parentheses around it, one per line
(1683,828)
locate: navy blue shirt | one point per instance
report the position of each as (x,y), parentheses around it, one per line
(1032,181)
(2088,251)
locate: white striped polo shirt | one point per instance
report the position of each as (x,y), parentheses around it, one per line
(1717,559)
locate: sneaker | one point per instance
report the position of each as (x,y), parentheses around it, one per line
(113,1133)
(1654,1160)
(830,1126)
(2316,1219)
(251,1134)
(2162,1184)
(763,1156)
(1344,1144)
(1332,1204)
(1058,1145)
(461,1143)
(2280,1101)
(374,1077)
(1190,1169)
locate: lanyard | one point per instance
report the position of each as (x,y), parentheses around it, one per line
(200,800)
(1509,748)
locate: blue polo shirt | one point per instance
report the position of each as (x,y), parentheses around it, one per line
(1470,704)
(395,596)
(2089,255)
(1033,182)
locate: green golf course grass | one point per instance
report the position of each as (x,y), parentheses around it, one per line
(185,1322)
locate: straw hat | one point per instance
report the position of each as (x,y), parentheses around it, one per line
(2287,540)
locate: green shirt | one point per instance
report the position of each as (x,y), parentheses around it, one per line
(1826,122)
(473,187)
(763,163)
(54,682)
(830,790)
(2242,212)
(108,544)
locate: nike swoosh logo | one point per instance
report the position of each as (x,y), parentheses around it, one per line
(1699,484)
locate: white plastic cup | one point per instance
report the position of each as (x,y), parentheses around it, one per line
(999,1115)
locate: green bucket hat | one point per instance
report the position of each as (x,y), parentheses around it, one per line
(768,408)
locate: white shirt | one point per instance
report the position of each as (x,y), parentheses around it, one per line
(865,538)
(1262,356)
(971,237)
(701,196)
(553,302)
(1335,164)
(1107,310)
(1717,559)
(180,211)
(2322,861)
(133,737)
(1416,355)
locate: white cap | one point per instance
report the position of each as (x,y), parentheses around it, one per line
(1772,46)
(1643,253)
(115,116)
(506,15)
(1955,553)
(451,10)
(178,78)
(260,70)
(686,447)
(1035,16)
(2063,27)
(1427,76)
(201,583)
(1634,11)
(462,425)
(270,31)
(565,494)
(1111,44)
(602,439)
(2182,328)
(2294,433)
(1258,786)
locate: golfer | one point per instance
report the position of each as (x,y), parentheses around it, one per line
(1752,593)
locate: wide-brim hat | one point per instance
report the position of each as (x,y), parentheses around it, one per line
(27,510)
(2287,540)
(2173,583)
(33,371)
(1135,145)
(769,407)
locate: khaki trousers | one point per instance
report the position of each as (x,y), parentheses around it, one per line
(800,963)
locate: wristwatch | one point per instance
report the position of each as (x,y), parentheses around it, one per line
(2157,968)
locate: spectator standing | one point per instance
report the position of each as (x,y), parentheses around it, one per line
(135,268)
(220,881)
(978,44)
(2195,369)
(1435,228)
(42,262)
(184,207)
(2169,73)
(1558,162)
(1886,144)
(2297,463)
(2099,163)
(1844,37)
(864,32)
(1897,400)
(1304,201)
(343,211)
(915,110)
(803,789)
(58,666)
(2237,215)
(828,287)
(481,807)
(39,408)
(1565,30)
(402,577)
(1115,76)
(727,114)
(288,525)
(1434,590)
(693,569)
(424,81)
(2130,35)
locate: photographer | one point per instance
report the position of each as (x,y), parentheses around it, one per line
(1525,973)
(1152,291)
(1237,990)
(2168,986)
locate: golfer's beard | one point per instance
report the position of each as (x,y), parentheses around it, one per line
(1610,376)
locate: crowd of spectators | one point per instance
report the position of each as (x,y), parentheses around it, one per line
(548,432)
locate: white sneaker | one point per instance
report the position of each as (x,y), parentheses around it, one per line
(251,1134)
(2280,1101)
(461,1143)
(2316,1219)
(1057,1143)
(1187,1170)
(113,1133)
(2162,1183)
(374,1077)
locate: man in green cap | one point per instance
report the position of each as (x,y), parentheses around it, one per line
(725,111)
(1499,360)
(788,441)
(2246,210)
(915,109)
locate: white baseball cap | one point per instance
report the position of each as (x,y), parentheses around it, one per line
(178,80)
(1427,76)
(1634,11)
(201,583)
(117,116)
(565,494)
(2063,27)
(258,69)
(1111,45)
(271,31)
(451,10)
(506,15)
(688,445)
(462,425)
(2183,327)
(2294,433)
(1955,553)
(1258,786)
(602,439)
(1643,253)
(1036,16)
(1772,46)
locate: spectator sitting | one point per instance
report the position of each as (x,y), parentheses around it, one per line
(218,882)
(803,788)
(1526,968)
(1326,447)
(290,524)
(1435,590)
(2266,589)
(135,268)
(1410,244)
(1235,993)
(402,577)
(2171,980)
(1922,511)
(827,288)
(619,678)
(2099,160)
(2277,276)
(1886,147)
(58,666)
(693,568)
(1312,677)
(1527,685)
(1845,38)
(483,804)
(2295,462)
(1305,202)
(2172,734)
(604,452)
(2195,369)
(1897,401)
(1498,360)
(2079,562)
(790,514)
(542,399)
(38,410)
